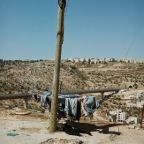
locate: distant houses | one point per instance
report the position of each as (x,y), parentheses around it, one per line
(120,116)
(102,60)
(135,100)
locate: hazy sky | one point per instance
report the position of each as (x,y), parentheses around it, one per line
(93,28)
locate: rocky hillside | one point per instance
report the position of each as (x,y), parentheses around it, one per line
(24,76)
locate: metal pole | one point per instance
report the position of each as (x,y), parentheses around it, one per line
(55,88)
(91,91)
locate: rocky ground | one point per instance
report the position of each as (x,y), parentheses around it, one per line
(27,76)
(31,126)
(33,129)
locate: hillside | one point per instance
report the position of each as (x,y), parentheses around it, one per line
(37,76)
(33,76)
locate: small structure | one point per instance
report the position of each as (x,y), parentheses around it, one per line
(117,116)
(130,85)
(121,116)
(132,120)
(135,99)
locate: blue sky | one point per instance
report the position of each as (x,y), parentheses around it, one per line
(94,28)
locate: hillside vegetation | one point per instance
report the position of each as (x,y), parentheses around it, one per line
(33,76)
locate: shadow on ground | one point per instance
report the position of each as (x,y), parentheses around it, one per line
(76,128)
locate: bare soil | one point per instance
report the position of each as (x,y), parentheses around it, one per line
(33,129)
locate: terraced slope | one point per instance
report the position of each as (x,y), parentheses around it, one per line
(24,76)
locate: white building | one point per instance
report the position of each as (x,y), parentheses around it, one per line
(118,114)
(121,116)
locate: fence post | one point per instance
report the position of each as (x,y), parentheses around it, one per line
(26,106)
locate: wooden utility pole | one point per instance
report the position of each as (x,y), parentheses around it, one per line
(55,87)
(142,115)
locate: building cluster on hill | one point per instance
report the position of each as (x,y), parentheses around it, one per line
(135,101)
(103,60)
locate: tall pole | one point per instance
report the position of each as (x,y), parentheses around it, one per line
(142,115)
(55,87)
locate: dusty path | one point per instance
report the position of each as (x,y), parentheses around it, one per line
(24,130)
